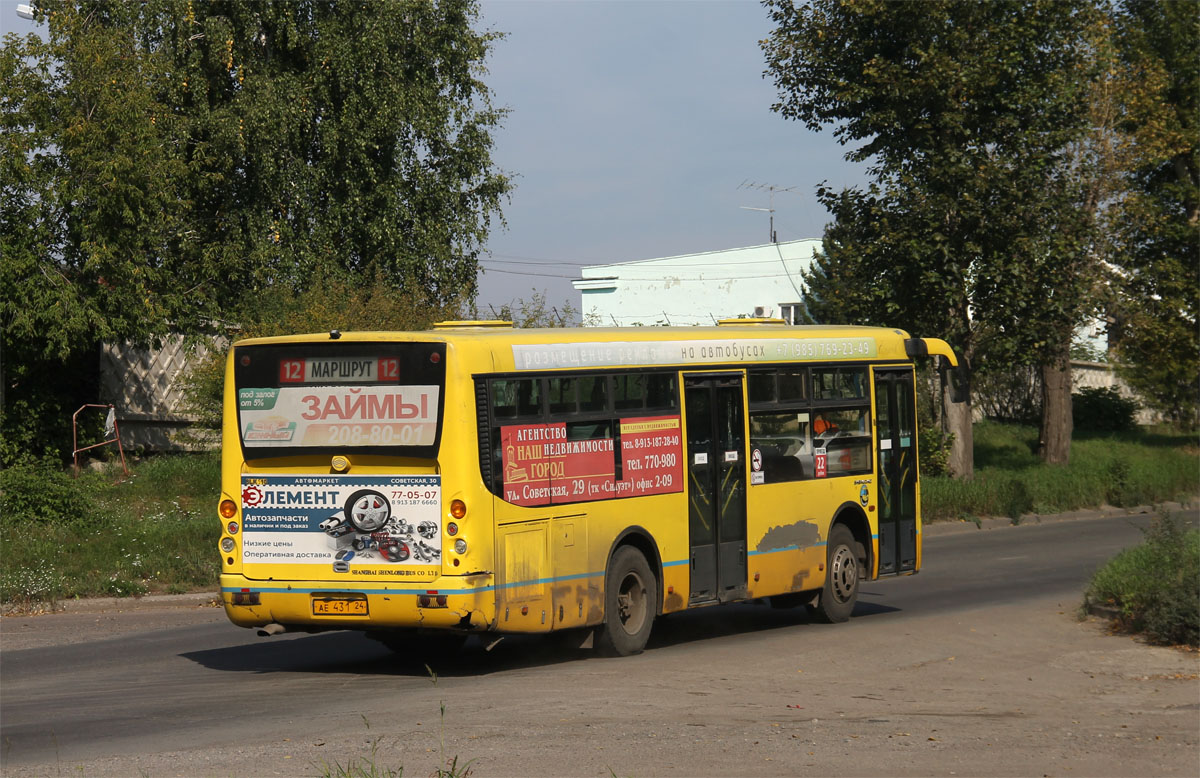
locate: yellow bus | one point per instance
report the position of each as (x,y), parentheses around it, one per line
(478,478)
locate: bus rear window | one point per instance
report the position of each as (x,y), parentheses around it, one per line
(316,398)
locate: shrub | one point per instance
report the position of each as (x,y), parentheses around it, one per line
(934,450)
(1153,585)
(1097,409)
(40,493)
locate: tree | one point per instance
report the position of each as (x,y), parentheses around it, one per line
(1156,222)
(165,163)
(88,209)
(335,133)
(966,113)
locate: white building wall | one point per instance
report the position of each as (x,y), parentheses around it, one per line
(696,288)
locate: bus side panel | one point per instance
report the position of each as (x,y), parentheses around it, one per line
(575,591)
(522,577)
(786,534)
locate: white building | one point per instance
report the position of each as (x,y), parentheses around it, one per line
(698,288)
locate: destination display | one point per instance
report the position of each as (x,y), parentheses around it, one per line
(542,466)
(336,370)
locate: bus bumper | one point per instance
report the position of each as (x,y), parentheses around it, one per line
(449,602)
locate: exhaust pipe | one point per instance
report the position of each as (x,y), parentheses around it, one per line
(271,629)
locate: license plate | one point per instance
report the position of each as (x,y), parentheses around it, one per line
(339,606)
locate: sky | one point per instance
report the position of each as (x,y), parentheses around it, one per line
(632,130)
(635,130)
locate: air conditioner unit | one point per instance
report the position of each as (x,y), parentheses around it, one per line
(763,311)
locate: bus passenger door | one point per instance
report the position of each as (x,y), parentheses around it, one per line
(897,461)
(716,486)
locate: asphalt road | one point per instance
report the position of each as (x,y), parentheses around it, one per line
(183,692)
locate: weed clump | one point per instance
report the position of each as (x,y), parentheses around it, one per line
(1153,586)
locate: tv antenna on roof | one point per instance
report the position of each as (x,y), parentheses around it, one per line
(771,190)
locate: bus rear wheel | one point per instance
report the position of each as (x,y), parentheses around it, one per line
(840,592)
(630,603)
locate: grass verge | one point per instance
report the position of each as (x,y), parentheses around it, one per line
(1122,469)
(1152,586)
(63,538)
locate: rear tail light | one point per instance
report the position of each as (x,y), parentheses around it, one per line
(228,509)
(246,597)
(458,509)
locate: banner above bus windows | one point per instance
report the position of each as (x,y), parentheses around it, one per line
(547,356)
(314,398)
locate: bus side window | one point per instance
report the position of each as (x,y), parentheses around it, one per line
(629,391)
(781,438)
(516,397)
(839,383)
(593,394)
(660,392)
(845,434)
(562,393)
(645,391)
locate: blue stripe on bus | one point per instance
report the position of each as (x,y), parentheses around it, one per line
(423,590)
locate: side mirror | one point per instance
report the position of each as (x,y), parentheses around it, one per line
(956,378)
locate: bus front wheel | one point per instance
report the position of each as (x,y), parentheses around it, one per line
(841,578)
(630,600)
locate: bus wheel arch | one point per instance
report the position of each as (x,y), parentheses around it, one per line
(852,517)
(632,587)
(847,556)
(640,538)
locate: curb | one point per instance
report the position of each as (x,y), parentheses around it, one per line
(123,604)
(952,527)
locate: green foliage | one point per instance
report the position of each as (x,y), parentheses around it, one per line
(1153,585)
(154,532)
(1156,223)
(1104,409)
(933,442)
(165,164)
(935,450)
(40,493)
(39,398)
(976,120)
(336,135)
(1123,469)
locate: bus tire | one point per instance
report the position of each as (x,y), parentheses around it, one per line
(840,592)
(630,603)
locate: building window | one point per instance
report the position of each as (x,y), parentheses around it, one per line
(792,313)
